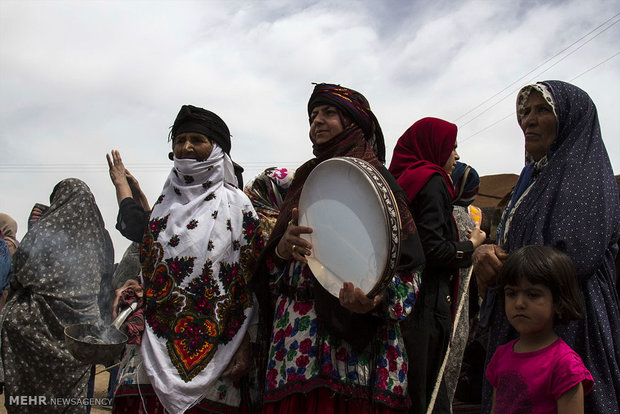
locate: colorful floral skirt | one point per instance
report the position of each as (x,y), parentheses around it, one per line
(325,401)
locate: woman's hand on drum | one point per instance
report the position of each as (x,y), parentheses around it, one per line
(355,300)
(291,244)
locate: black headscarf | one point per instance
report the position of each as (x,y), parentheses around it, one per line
(194,119)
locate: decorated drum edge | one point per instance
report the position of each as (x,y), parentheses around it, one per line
(392,217)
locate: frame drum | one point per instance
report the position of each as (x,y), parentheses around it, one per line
(356,226)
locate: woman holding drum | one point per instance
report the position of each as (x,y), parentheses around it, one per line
(424,157)
(314,363)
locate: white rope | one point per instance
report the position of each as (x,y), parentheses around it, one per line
(108,368)
(138,385)
(457,317)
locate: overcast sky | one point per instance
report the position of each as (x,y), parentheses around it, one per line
(79,78)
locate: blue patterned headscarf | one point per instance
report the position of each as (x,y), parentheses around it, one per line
(466,184)
(573,204)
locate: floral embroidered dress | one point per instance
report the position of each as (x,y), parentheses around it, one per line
(304,356)
(197,253)
(310,365)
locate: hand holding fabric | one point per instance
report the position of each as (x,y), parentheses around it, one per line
(35,215)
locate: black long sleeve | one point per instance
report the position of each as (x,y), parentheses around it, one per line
(132,219)
(411,251)
(432,212)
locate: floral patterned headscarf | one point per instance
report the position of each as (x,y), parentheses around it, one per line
(267,192)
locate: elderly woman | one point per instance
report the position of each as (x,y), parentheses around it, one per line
(424,157)
(565,198)
(197,252)
(57,270)
(314,366)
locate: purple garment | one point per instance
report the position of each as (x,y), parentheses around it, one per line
(573,206)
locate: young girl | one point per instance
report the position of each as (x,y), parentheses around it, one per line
(538,372)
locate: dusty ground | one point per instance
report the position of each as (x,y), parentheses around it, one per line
(101,390)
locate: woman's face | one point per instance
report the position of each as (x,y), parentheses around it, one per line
(325,123)
(450,165)
(192,145)
(539,125)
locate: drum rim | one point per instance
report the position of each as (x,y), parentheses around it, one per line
(391,216)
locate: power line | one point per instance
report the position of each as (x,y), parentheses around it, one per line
(594,67)
(540,65)
(513,113)
(487,127)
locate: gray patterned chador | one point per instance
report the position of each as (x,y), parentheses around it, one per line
(58,268)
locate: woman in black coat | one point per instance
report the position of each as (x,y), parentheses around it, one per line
(422,162)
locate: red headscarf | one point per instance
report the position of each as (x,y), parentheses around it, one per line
(421,152)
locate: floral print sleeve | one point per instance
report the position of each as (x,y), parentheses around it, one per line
(252,244)
(401,294)
(276,268)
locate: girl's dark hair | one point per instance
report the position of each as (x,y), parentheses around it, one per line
(549,267)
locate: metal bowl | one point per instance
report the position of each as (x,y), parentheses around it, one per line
(97,344)
(90,344)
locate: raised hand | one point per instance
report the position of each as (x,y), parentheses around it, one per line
(118,176)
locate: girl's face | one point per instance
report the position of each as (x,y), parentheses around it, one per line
(529,308)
